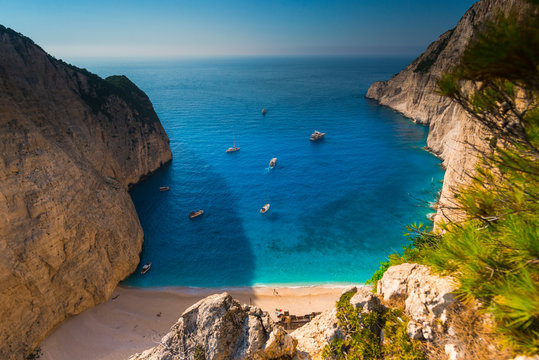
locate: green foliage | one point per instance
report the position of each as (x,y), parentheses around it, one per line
(448,85)
(379,273)
(362,339)
(507,49)
(494,253)
(531,127)
(199,353)
(397,344)
(502,62)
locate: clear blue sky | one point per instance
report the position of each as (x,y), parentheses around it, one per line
(125,28)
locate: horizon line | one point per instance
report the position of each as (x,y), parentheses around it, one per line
(188,57)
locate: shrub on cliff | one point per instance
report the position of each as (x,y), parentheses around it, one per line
(494,251)
(363,337)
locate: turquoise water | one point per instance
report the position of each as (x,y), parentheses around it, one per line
(338,207)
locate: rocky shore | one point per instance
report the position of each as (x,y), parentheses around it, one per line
(219,327)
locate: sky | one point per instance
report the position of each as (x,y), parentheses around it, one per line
(200,28)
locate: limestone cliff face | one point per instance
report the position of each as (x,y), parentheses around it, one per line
(71,143)
(412,92)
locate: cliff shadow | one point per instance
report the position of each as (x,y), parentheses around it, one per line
(211,250)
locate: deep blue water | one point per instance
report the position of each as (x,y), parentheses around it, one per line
(338,207)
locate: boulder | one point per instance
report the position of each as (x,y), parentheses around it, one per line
(367,300)
(425,296)
(219,327)
(315,335)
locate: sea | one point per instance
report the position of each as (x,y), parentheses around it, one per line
(338,207)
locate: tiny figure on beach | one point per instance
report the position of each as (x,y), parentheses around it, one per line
(275,292)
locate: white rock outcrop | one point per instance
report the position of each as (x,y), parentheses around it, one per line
(219,327)
(425,296)
(314,336)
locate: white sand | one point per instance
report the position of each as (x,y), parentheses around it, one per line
(130,322)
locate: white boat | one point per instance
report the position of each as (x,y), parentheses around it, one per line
(273,162)
(194,214)
(233,148)
(265,208)
(145,268)
(317,135)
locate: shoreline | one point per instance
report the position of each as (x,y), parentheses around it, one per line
(134,319)
(204,289)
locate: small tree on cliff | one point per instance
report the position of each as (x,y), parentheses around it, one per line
(495,253)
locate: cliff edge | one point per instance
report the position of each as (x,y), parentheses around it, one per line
(71,144)
(413,92)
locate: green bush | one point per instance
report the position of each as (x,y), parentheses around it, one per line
(493,251)
(362,335)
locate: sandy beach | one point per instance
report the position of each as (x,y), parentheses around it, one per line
(135,319)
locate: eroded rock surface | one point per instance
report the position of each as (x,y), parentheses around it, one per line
(219,327)
(412,92)
(314,336)
(70,145)
(426,297)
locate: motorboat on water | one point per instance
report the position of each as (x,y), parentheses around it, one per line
(273,162)
(317,135)
(194,214)
(164,188)
(265,208)
(145,268)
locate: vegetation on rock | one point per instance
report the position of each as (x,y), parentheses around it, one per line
(371,335)
(494,251)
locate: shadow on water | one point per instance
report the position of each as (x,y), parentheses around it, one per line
(182,250)
(336,204)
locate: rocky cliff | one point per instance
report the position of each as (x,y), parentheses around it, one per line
(219,327)
(413,92)
(71,144)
